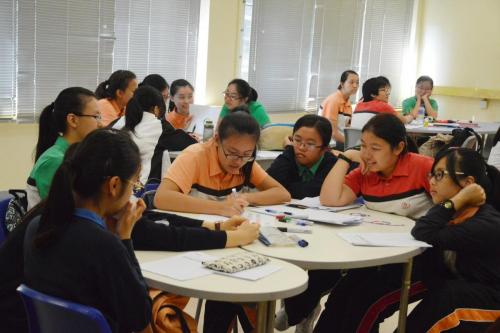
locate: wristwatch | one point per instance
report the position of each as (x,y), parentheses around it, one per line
(345,158)
(448,204)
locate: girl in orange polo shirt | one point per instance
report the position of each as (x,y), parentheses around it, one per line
(202,178)
(337,107)
(114,94)
(181,96)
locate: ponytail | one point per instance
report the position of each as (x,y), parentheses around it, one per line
(47,133)
(52,122)
(252,97)
(58,209)
(119,80)
(145,99)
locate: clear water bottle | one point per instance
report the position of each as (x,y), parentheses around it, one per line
(208,130)
(421,115)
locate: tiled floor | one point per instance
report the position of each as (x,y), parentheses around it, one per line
(387,326)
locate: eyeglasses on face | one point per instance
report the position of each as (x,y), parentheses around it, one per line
(439,174)
(97,117)
(232,97)
(299,143)
(235,157)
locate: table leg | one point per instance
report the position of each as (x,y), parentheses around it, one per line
(261,317)
(405,290)
(271,309)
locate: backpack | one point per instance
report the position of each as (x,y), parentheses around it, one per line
(460,135)
(168,315)
(16,209)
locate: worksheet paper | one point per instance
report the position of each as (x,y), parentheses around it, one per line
(399,239)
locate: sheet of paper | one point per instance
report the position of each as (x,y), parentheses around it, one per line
(255,273)
(311,214)
(382,239)
(200,114)
(267,154)
(313,202)
(183,267)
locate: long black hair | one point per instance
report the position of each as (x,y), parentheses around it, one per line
(320,124)
(144,100)
(104,153)
(119,80)
(176,85)
(471,163)
(240,123)
(156,81)
(52,120)
(389,128)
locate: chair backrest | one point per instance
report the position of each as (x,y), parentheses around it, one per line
(51,314)
(352,137)
(3,211)
(359,119)
(273,136)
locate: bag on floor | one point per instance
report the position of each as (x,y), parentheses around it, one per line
(168,315)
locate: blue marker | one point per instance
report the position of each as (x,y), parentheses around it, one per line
(300,242)
(264,240)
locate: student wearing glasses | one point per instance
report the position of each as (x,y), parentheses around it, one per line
(202,178)
(73,115)
(376,93)
(238,93)
(304,164)
(460,274)
(114,94)
(422,99)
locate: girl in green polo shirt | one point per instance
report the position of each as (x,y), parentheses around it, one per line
(67,120)
(421,102)
(239,92)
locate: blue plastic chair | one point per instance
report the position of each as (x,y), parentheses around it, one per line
(51,314)
(3,211)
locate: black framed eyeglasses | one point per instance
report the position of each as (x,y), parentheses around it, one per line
(439,174)
(299,143)
(235,157)
(97,117)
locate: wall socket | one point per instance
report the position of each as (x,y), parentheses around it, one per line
(483,104)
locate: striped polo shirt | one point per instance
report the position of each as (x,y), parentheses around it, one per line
(405,192)
(197,171)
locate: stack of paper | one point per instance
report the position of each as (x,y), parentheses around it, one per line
(313,202)
(383,239)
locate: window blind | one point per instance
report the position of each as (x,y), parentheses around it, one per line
(7,58)
(60,44)
(298,49)
(157,36)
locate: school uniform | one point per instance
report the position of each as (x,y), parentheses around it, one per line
(256,110)
(464,286)
(153,137)
(178,120)
(409,104)
(364,111)
(182,234)
(40,178)
(404,193)
(197,172)
(336,108)
(109,110)
(299,180)
(105,275)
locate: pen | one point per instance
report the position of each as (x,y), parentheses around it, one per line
(300,242)
(272,211)
(303,222)
(295,230)
(194,128)
(264,240)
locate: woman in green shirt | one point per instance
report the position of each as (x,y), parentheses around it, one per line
(69,119)
(238,93)
(421,100)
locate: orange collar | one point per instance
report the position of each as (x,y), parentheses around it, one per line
(463,215)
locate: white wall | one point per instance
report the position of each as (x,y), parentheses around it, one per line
(459,46)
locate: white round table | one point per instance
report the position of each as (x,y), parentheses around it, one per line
(482,129)
(290,280)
